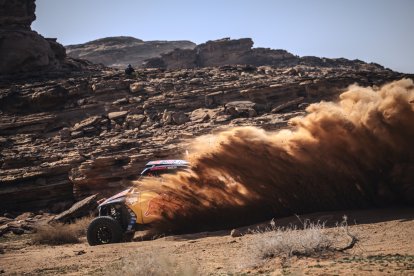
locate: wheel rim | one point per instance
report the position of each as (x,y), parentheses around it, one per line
(104,234)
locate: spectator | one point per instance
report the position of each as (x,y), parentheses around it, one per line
(129,70)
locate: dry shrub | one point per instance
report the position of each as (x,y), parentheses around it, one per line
(148,265)
(59,233)
(312,239)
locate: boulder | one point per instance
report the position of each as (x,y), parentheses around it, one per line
(167,117)
(4,229)
(117,115)
(180,118)
(111,86)
(136,87)
(18,227)
(50,98)
(64,133)
(135,120)
(241,109)
(199,115)
(4,220)
(241,104)
(76,134)
(86,123)
(235,233)
(289,104)
(121,101)
(24,216)
(79,209)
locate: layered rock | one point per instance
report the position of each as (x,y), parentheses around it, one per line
(120,51)
(67,138)
(21,49)
(17,14)
(239,51)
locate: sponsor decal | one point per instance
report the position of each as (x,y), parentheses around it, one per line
(154,206)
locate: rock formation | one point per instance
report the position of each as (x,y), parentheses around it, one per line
(239,51)
(118,52)
(70,137)
(21,49)
(66,136)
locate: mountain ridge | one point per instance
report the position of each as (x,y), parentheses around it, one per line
(120,51)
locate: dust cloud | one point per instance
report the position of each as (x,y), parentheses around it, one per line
(354,153)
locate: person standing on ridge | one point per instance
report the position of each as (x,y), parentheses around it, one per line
(129,70)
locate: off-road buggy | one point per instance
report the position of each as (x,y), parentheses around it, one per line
(130,210)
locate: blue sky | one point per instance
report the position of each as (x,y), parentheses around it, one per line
(380,31)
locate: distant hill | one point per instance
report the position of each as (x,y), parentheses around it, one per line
(123,50)
(228,51)
(120,51)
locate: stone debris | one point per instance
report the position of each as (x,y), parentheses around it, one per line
(22,224)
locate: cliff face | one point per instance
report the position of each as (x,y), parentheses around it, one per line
(66,138)
(17,14)
(239,51)
(118,52)
(21,49)
(220,52)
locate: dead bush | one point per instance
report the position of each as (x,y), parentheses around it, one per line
(59,233)
(148,265)
(312,239)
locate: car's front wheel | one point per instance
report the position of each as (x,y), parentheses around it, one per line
(103,230)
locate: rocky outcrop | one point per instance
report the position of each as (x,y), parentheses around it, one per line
(239,51)
(79,209)
(120,51)
(68,138)
(21,49)
(17,14)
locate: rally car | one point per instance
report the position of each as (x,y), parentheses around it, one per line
(124,213)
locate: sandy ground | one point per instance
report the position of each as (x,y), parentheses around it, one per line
(385,247)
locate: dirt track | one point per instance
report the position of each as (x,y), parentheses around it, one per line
(386,246)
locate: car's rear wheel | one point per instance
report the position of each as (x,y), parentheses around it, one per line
(103,230)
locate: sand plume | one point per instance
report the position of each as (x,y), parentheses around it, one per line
(357,152)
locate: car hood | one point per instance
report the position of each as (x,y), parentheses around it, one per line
(119,197)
